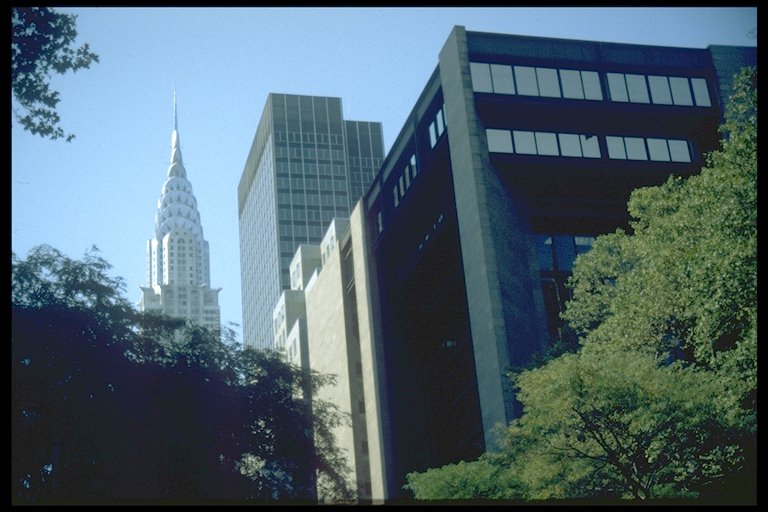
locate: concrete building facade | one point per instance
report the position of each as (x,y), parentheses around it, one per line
(329,316)
(307,164)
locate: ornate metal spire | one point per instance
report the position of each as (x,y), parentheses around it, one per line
(175,123)
(177,207)
(175,140)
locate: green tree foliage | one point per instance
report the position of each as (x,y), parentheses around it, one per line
(684,283)
(660,399)
(484,479)
(112,406)
(41,44)
(610,423)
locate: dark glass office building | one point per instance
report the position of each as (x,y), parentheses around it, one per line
(519,151)
(307,164)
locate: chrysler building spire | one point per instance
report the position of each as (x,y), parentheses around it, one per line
(175,119)
(178,269)
(175,141)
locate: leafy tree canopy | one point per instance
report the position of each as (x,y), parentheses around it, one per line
(660,399)
(41,44)
(113,406)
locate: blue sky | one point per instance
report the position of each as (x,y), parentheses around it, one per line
(102,188)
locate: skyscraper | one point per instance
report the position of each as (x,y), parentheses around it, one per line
(178,267)
(306,165)
(518,153)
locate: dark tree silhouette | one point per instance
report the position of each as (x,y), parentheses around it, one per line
(113,406)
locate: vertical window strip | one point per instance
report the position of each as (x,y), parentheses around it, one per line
(658,150)
(591,82)
(548,84)
(679,151)
(432,135)
(660,92)
(617,87)
(525,77)
(616,148)
(546,144)
(638,90)
(635,147)
(590,146)
(524,142)
(570,145)
(502,80)
(499,141)
(681,92)
(481,77)
(440,125)
(570,80)
(701,92)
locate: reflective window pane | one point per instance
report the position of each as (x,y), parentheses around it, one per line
(590,146)
(681,94)
(678,151)
(502,79)
(658,150)
(617,87)
(571,82)
(660,90)
(526,81)
(548,84)
(546,144)
(499,141)
(591,81)
(432,135)
(481,77)
(569,144)
(635,148)
(440,126)
(701,92)
(616,148)
(524,143)
(638,92)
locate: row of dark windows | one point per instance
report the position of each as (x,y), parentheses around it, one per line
(587,146)
(586,85)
